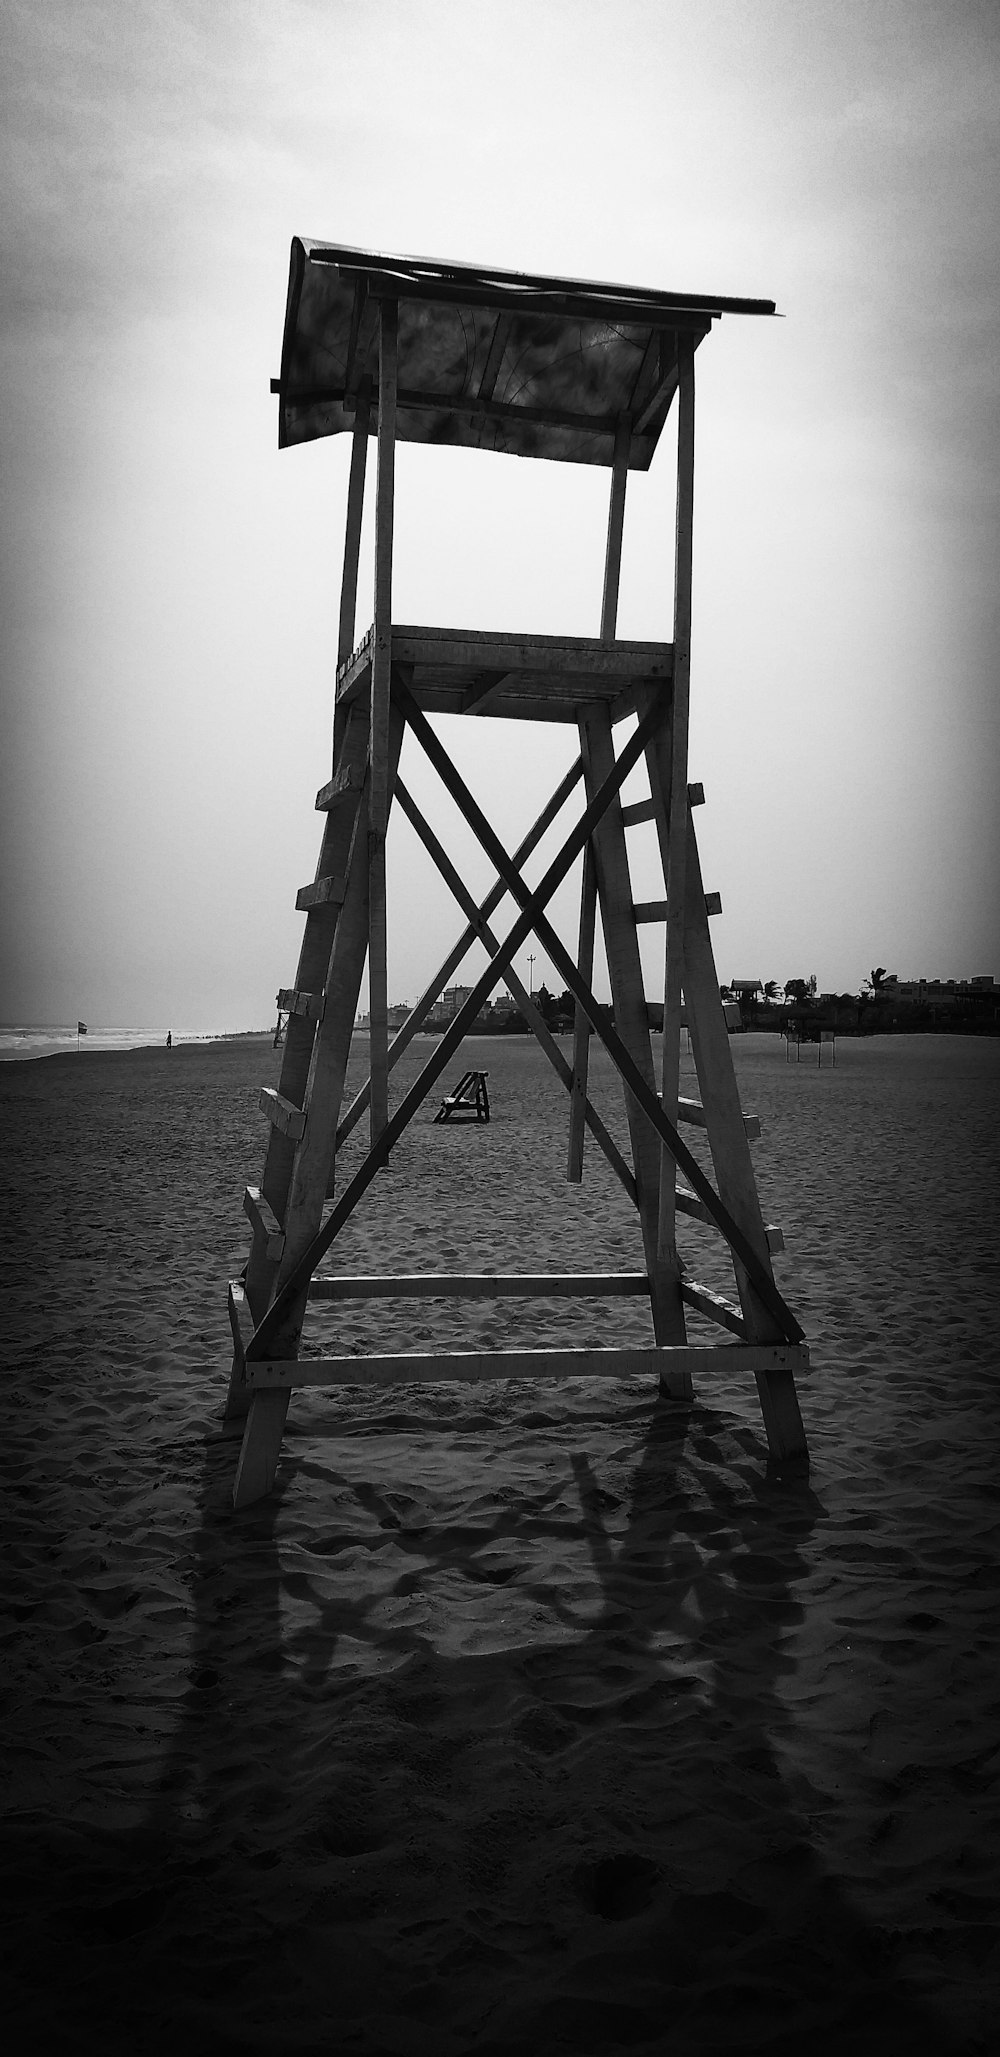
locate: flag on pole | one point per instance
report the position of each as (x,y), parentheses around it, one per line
(81,1028)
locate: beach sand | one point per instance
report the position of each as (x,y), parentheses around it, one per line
(521,1718)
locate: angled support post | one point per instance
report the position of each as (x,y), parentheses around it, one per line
(352,549)
(378,997)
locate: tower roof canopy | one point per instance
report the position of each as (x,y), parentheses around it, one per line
(492,360)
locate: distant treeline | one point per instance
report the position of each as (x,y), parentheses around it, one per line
(848,1014)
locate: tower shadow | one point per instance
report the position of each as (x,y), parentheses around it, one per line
(586,1839)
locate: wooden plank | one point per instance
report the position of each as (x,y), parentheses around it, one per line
(237,1404)
(693,1112)
(629,1002)
(352,528)
(649,910)
(282,1114)
(667,763)
(714,1307)
(485,935)
(581,656)
(308,1005)
(382,650)
(312,973)
(490,1285)
(345,784)
(240,1318)
(636,811)
(662,391)
(444,1366)
(413,400)
(477,698)
(378,997)
(314,1158)
(579,1097)
(616,524)
(730,1009)
(686,1203)
(433,991)
(356,663)
(361,337)
(325,892)
(264,1223)
(728,1141)
(261,1446)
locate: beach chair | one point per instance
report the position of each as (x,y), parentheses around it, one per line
(569,371)
(470,1100)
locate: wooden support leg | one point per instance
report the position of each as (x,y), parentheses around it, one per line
(625,970)
(783,1425)
(237,1405)
(731,1154)
(379,719)
(581,1026)
(261,1449)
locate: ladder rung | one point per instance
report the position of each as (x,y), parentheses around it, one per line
(480,1286)
(730,1009)
(693,1111)
(345,782)
(327,892)
(240,1318)
(281,1114)
(265,1224)
(309,1005)
(273,1374)
(713,1306)
(686,1203)
(645,810)
(656,910)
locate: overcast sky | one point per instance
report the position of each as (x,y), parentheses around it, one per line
(171,580)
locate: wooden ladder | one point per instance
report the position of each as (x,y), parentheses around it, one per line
(285,1210)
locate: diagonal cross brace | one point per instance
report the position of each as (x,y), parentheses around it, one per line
(263,1339)
(459,949)
(486,936)
(760,1278)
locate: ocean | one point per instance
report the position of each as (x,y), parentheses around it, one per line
(48,1039)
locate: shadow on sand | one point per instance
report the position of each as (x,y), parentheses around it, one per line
(585,1843)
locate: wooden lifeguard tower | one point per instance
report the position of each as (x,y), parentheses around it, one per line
(579,373)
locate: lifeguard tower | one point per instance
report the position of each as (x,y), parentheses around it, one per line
(578,373)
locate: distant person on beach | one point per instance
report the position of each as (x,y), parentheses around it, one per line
(170,1040)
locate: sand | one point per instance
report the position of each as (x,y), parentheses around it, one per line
(522,1718)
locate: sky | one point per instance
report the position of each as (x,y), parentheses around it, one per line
(171,581)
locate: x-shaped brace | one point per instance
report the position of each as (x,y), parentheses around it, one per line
(532,920)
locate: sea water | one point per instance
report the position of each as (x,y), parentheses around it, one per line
(46,1039)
